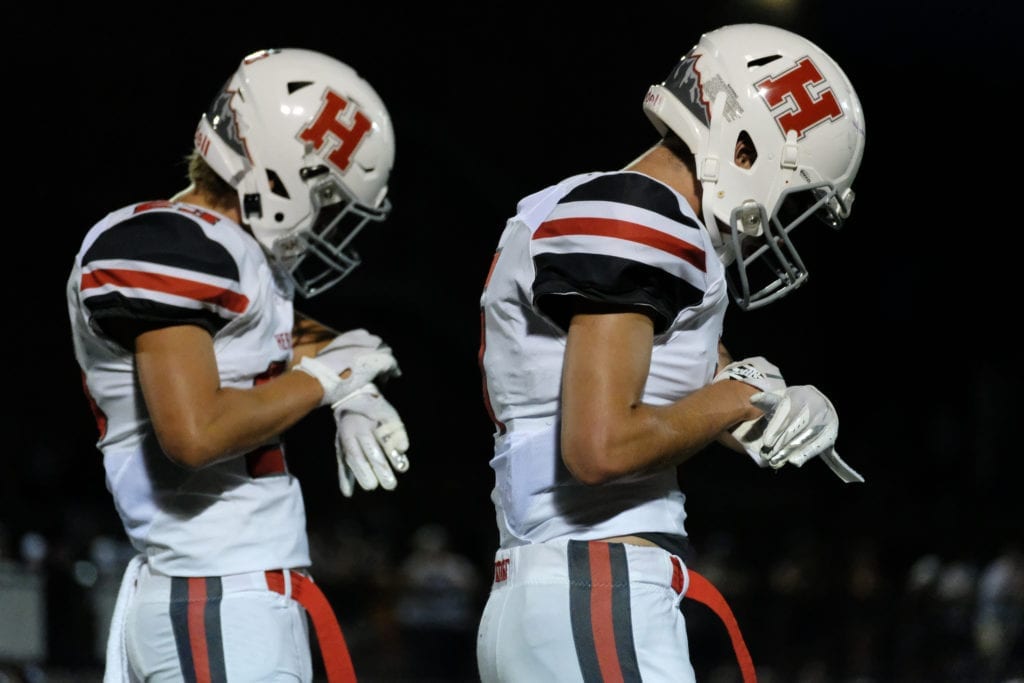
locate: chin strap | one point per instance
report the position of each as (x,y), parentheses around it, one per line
(708,171)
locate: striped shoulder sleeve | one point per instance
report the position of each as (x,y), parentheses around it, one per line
(157,269)
(618,242)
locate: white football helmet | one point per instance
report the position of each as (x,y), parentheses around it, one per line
(309,146)
(805,122)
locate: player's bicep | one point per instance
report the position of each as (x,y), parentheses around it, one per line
(178,375)
(607,359)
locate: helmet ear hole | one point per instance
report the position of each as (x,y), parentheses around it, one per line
(746,152)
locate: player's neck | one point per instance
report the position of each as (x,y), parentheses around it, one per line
(192,195)
(661,164)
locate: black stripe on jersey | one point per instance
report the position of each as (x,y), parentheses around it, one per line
(567,284)
(165,238)
(123,319)
(634,189)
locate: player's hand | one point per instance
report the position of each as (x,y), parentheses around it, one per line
(371,441)
(350,361)
(799,423)
(759,373)
(755,371)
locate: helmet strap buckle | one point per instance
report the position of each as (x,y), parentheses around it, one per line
(790,152)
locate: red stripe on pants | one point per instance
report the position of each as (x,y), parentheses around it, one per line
(601,613)
(197,629)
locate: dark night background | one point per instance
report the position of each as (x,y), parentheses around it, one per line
(908,322)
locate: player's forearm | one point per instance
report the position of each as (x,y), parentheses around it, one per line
(706,416)
(235,421)
(645,437)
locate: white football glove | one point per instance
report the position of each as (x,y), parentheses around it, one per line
(794,431)
(371,441)
(799,423)
(755,371)
(350,361)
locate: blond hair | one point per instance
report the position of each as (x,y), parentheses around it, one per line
(208,182)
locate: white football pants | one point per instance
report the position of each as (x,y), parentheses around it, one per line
(585,612)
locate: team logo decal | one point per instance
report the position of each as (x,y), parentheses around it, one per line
(224,122)
(697,91)
(501,569)
(801,98)
(339,126)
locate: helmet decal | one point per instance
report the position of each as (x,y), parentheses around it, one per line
(684,83)
(805,95)
(224,122)
(347,136)
(697,93)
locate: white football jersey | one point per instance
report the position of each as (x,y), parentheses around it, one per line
(612,241)
(158,264)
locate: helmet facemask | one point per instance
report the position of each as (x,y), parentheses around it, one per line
(767,266)
(326,254)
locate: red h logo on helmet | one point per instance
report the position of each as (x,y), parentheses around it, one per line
(327,121)
(808,108)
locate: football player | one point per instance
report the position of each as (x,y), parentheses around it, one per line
(195,363)
(603,314)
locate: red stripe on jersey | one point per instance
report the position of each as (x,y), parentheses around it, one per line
(601,613)
(624,230)
(197,629)
(98,415)
(265,461)
(210,218)
(677,575)
(225,298)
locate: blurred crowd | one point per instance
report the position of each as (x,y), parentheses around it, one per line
(409,608)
